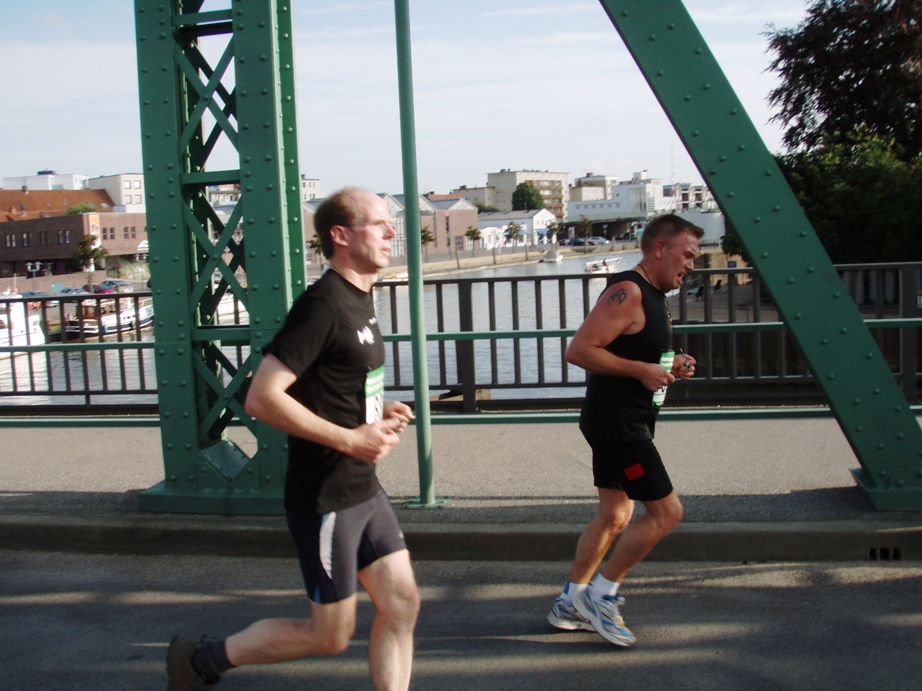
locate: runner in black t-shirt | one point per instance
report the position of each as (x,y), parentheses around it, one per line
(620,345)
(321,380)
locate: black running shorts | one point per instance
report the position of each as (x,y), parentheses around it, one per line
(334,547)
(634,467)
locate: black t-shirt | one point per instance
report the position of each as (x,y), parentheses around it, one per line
(621,408)
(331,340)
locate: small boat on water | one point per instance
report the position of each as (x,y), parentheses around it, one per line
(553,256)
(103,317)
(17,326)
(609,265)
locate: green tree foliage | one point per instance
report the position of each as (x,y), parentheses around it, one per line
(86,253)
(484,208)
(426,237)
(314,244)
(526,197)
(852,66)
(473,234)
(514,233)
(862,198)
(81,208)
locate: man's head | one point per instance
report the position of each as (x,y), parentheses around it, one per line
(669,245)
(356,222)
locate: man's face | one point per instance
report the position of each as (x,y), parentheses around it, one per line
(678,260)
(370,237)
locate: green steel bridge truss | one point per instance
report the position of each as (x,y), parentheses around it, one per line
(244,95)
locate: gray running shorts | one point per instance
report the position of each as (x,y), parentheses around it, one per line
(334,547)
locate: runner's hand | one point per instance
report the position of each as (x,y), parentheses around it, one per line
(397,416)
(372,442)
(654,376)
(683,367)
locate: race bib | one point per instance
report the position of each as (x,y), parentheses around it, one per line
(374,395)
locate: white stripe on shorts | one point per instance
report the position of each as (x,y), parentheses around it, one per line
(327,524)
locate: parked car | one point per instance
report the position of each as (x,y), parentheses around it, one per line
(118,285)
(35,304)
(97,289)
(578,242)
(563,242)
(73,291)
(596,240)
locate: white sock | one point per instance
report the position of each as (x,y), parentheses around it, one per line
(570,590)
(601,586)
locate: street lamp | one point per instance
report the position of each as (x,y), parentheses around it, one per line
(33,268)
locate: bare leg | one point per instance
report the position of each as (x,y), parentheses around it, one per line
(615,511)
(392,588)
(327,632)
(641,536)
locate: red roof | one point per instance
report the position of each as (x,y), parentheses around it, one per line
(19,205)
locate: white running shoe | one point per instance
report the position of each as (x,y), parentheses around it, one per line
(564,616)
(605,617)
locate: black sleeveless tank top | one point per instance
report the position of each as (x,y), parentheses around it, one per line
(621,408)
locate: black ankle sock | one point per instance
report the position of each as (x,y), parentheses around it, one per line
(210,660)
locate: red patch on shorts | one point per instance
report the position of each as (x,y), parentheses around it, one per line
(634,472)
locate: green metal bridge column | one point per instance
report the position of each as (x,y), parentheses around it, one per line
(811,298)
(189,109)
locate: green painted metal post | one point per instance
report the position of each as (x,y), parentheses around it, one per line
(427,496)
(750,189)
(190,108)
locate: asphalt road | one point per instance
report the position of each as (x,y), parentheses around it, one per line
(74,622)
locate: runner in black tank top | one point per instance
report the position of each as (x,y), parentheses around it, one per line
(621,408)
(620,345)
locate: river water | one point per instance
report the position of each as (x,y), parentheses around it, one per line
(76,378)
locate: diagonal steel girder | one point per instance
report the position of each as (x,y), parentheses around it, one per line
(750,189)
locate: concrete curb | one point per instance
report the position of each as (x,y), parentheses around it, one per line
(776,541)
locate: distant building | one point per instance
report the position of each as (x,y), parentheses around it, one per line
(126,191)
(484,196)
(493,226)
(310,188)
(637,199)
(52,240)
(554,188)
(687,196)
(21,205)
(46,180)
(587,187)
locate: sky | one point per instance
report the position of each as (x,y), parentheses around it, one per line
(542,85)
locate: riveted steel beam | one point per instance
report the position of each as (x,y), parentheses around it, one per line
(814,304)
(222,283)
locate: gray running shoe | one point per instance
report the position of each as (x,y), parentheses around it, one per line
(564,616)
(179,666)
(605,617)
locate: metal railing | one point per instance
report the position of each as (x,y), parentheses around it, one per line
(495,344)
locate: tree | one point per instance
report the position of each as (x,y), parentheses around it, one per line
(473,234)
(584,230)
(81,208)
(87,253)
(861,197)
(526,197)
(314,244)
(552,230)
(852,66)
(425,237)
(484,208)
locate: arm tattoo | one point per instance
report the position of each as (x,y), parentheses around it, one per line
(618,297)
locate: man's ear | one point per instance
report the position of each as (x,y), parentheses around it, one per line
(339,235)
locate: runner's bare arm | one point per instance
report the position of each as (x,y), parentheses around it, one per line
(618,312)
(268,400)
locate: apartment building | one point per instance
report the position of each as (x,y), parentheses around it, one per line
(126,191)
(554,188)
(46,180)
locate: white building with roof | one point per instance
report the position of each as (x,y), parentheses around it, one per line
(126,190)
(47,180)
(535,222)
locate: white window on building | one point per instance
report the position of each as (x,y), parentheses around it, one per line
(137,184)
(127,184)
